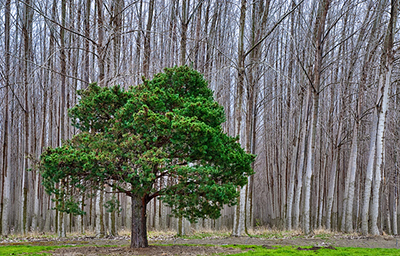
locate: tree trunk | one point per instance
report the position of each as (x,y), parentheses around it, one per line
(239,215)
(87,45)
(184,27)
(27,35)
(147,50)
(302,133)
(319,43)
(118,7)
(382,106)
(348,215)
(100,230)
(332,176)
(290,201)
(372,145)
(139,228)
(6,178)
(100,44)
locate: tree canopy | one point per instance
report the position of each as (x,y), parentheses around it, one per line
(166,129)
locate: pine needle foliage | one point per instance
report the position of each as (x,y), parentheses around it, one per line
(162,138)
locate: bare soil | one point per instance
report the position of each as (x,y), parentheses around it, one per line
(151,250)
(178,246)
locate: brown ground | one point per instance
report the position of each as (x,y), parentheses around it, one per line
(94,246)
(151,250)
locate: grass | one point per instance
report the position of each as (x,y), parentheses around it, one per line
(252,250)
(27,249)
(307,250)
(38,249)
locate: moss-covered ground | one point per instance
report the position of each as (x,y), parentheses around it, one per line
(308,250)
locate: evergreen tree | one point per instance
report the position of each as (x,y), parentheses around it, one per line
(169,129)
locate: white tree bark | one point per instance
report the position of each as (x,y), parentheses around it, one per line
(332,179)
(296,206)
(239,215)
(368,177)
(308,173)
(319,44)
(6,165)
(36,203)
(380,142)
(381,108)
(61,224)
(100,229)
(351,179)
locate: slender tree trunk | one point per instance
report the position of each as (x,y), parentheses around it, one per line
(196,51)
(239,215)
(351,179)
(147,50)
(184,28)
(100,44)
(100,229)
(394,195)
(319,43)
(6,178)
(382,106)
(118,23)
(295,153)
(27,34)
(138,58)
(295,144)
(368,176)
(303,134)
(372,146)
(86,22)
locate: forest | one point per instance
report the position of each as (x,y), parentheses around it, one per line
(311,87)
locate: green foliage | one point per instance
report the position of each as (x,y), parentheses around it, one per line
(113,205)
(166,130)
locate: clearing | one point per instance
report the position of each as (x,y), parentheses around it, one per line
(90,245)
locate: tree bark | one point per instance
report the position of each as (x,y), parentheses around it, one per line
(239,215)
(27,35)
(100,44)
(319,43)
(302,133)
(382,107)
(6,178)
(147,50)
(100,229)
(184,27)
(139,228)
(87,45)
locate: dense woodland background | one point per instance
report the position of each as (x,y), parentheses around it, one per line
(311,87)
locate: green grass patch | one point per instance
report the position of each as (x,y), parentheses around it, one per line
(307,250)
(27,249)
(39,249)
